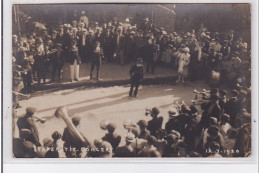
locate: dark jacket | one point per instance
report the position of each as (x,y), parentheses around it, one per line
(136,72)
(154,125)
(113,139)
(74,55)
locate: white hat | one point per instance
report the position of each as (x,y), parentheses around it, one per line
(173,112)
(126,20)
(186,49)
(164,32)
(130,137)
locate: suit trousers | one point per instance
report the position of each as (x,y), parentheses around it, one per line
(134,84)
(92,67)
(74,71)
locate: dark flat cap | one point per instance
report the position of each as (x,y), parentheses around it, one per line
(155,111)
(31,110)
(76,120)
(142,123)
(56,135)
(111,127)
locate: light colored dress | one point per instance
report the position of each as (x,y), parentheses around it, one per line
(183,64)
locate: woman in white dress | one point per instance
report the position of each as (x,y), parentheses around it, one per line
(183,65)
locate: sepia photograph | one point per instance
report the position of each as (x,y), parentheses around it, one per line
(129,80)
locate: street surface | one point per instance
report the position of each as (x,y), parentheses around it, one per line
(112,104)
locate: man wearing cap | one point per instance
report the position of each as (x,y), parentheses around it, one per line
(156,122)
(111,137)
(126,150)
(96,59)
(173,121)
(26,122)
(144,133)
(146,26)
(136,76)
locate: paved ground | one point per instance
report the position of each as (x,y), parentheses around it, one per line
(111,74)
(96,104)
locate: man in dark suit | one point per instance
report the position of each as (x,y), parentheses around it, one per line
(90,44)
(120,46)
(151,51)
(82,44)
(155,123)
(126,150)
(108,45)
(232,107)
(136,76)
(96,59)
(57,62)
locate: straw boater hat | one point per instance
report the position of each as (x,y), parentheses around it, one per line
(173,112)
(130,137)
(186,49)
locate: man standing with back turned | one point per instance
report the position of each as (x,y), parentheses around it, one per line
(136,76)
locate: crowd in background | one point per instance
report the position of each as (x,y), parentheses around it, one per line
(41,49)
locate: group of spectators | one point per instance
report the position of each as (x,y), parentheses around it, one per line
(201,54)
(220,127)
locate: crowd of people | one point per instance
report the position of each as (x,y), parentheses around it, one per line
(221,127)
(41,49)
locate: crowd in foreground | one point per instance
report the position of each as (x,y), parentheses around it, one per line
(220,127)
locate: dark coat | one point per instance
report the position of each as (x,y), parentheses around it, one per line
(96,57)
(136,73)
(232,109)
(113,139)
(150,52)
(154,125)
(74,55)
